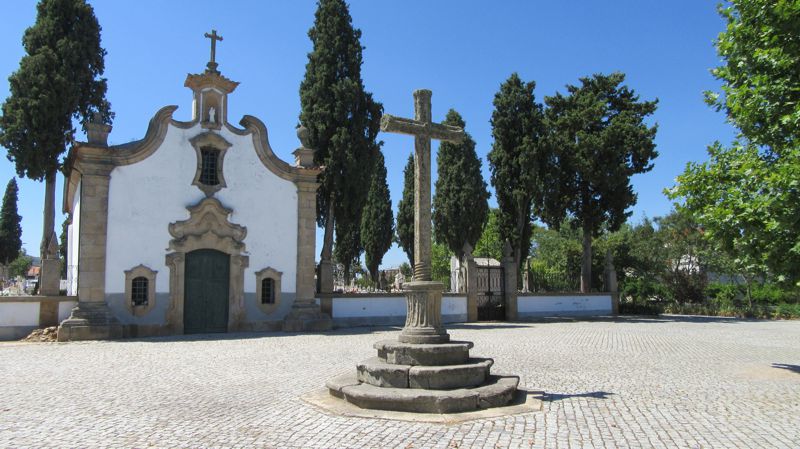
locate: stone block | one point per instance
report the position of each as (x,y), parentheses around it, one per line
(410,399)
(498,391)
(450,376)
(375,371)
(50,277)
(453,353)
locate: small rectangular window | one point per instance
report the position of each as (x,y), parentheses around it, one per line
(267,291)
(139,288)
(208,171)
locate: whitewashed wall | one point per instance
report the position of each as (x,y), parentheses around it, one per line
(146,196)
(388,310)
(19,314)
(73,243)
(564,305)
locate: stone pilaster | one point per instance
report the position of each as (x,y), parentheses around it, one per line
(305,314)
(471,284)
(91,319)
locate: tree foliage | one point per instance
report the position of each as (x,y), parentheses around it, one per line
(599,136)
(518,162)
(490,244)
(405,213)
(761,79)
(20,265)
(440,264)
(10,227)
(343,121)
(377,223)
(747,196)
(460,204)
(58,80)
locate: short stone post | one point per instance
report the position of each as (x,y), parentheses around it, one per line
(510,273)
(612,285)
(471,283)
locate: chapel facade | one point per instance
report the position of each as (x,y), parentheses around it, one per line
(198,227)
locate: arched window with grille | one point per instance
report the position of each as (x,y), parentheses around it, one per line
(267,291)
(139,287)
(140,290)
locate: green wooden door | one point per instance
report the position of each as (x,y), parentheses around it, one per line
(205,304)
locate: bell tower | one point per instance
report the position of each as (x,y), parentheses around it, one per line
(210,91)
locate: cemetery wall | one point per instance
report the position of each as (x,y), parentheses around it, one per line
(388,309)
(567,304)
(19,315)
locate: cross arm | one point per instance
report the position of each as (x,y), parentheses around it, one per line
(392,124)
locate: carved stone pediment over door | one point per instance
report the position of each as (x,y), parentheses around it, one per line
(208,227)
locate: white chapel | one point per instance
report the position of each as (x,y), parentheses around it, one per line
(198,227)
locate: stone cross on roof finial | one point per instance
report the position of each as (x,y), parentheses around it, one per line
(212,64)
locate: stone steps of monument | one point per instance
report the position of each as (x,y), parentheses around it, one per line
(497,391)
(397,353)
(376,371)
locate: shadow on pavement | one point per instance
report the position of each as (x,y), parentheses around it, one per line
(792,368)
(550,397)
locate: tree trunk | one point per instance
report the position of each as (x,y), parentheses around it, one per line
(49,246)
(327,240)
(586,262)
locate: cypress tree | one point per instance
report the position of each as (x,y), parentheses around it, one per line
(405,213)
(343,122)
(10,228)
(517,162)
(460,205)
(377,223)
(58,80)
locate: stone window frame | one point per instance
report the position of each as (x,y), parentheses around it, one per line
(210,141)
(137,272)
(275,275)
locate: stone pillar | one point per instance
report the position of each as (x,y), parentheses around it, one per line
(91,319)
(510,273)
(471,283)
(422,190)
(612,285)
(50,277)
(306,314)
(424,317)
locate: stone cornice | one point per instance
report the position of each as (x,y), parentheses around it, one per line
(210,79)
(277,166)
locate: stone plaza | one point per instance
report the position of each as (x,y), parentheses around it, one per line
(669,382)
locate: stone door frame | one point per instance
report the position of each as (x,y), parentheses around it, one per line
(207,228)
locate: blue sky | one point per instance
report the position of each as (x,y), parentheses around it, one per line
(461,50)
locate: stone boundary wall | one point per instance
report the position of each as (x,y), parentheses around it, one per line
(19,315)
(538,305)
(385,309)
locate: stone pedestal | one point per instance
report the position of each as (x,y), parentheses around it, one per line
(424,313)
(325,276)
(90,321)
(50,277)
(306,316)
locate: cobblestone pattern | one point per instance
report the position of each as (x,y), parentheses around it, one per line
(631,383)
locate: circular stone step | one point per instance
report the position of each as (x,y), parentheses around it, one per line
(496,392)
(396,353)
(375,371)
(473,373)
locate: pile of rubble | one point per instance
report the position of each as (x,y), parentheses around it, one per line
(46,334)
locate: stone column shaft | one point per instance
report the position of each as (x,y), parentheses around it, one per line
(422,189)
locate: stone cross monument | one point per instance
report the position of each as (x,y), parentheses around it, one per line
(424,299)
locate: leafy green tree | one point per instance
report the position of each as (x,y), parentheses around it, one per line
(10,228)
(20,265)
(58,80)
(62,247)
(747,197)
(406,270)
(600,138)
(343,122)
(761,90)
(518,162)
(377,223)
(490,244)
(460,205)
(405,213)
(440,264)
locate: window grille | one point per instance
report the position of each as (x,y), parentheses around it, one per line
(267,291)
(139,287)
(208,171)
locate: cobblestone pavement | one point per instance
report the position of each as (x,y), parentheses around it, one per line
(629,383)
